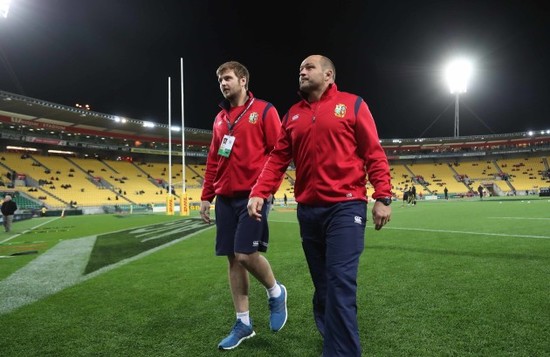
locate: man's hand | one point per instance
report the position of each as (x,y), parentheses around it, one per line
(205,211)
(381,214)
(254,206)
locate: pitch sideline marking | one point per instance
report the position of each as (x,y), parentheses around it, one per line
(28,230)
(453,232)
(472,233)
(57,269)
(527,218)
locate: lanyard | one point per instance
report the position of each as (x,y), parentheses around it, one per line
(231,126)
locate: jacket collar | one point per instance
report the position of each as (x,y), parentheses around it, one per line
(329,92)
(224,104)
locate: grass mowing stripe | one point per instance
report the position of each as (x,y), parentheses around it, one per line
(136,257)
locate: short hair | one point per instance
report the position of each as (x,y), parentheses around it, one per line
(240,70)
(326,63)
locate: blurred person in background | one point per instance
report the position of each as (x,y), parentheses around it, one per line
(8,209)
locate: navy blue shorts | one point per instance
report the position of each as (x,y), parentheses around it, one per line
(236,232)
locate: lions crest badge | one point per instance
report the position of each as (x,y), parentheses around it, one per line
(340,110)
(253,118)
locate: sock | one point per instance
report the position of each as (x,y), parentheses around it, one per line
(274,292)
(244,317)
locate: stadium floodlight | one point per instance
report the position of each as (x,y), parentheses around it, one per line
(20,148)
(4,8)
(458,73)
(118,119)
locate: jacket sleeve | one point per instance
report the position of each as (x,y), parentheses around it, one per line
(272,174)
(370,149)
(272,129)
(208,191)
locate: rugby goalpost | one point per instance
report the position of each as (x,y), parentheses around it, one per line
(170,200)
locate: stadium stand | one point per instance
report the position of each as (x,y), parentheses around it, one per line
(524,174)
(133,184)
(400,177)
(69,183)
(106,163)
(434,177)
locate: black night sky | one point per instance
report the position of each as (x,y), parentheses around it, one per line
(117,55)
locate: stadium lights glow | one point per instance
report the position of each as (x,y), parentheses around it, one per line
(148,124)
(61,152)
(20,148)
(458,72)
(120,119)
(85,106)
(4,8)
(176,128)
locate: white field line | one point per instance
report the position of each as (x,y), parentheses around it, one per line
(469,233)
(28,230)
(60,267)
(524,218)
(453,232)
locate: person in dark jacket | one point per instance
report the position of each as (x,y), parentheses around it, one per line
(412,197)
(8,209)
(332,139)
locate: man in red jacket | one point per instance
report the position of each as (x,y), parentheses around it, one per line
(244,133)
(332,139)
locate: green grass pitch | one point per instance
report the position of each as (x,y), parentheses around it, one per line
(444,278)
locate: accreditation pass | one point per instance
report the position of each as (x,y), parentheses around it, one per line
(227,145)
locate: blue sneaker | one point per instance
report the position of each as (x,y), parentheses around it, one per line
(238,334)
(278,312)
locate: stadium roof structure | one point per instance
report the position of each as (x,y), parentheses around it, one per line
(45,114)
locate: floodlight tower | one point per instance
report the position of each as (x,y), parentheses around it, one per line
(458,73)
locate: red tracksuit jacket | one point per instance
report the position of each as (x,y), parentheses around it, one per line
(255,135)
(334,145)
